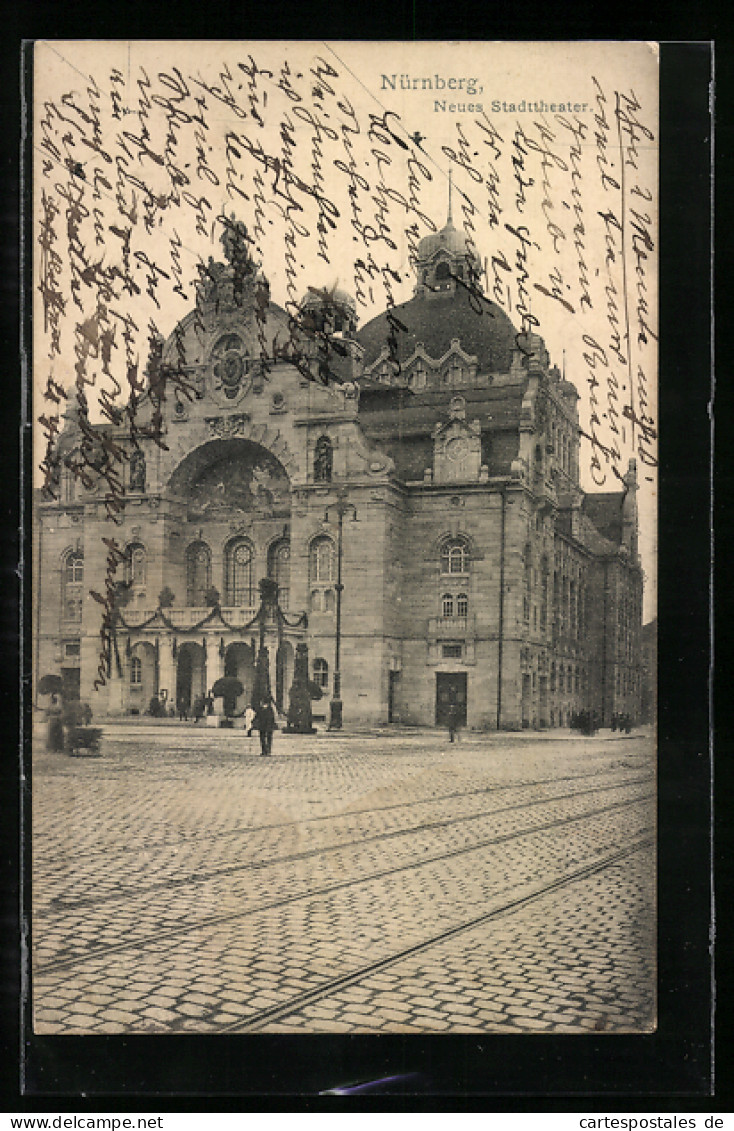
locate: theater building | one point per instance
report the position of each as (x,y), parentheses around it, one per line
(444,490)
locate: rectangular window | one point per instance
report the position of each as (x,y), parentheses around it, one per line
(452,651)
(72,649)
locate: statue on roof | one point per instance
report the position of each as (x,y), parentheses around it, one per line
(235,240)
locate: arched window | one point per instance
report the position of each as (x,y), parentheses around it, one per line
(74,567)
(321,574)
(447,605)
(321,673)
(279,569)
(73,578)
(198,573)
(137,471)
(238,574)
(462,605)
(443,270)
(321,559)
(418,376)
(454,556)
(323,460)
(135,565)
(136,670)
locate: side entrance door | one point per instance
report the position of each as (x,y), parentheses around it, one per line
(70,683)
(450,688)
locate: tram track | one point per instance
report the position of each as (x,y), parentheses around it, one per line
(95,952)
(196,838)
(61,905)
(301,1001)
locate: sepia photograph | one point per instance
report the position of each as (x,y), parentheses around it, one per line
(344,538)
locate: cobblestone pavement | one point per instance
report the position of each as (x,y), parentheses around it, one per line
(367,883)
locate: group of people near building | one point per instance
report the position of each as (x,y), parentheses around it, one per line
(261,719)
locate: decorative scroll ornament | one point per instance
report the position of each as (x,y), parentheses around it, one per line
(223,427)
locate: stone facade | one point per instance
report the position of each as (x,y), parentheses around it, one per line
(436,471)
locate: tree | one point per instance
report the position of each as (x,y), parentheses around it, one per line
(229,688)
(50,685)
(261,692)
(303,690)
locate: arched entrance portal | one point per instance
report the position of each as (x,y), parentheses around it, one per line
(239,661)
(190,674)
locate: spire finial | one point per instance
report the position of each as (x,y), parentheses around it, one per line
(449,219)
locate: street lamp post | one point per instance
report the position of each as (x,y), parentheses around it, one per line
(341,506)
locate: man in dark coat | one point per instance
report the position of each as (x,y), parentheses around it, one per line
(264,722)
(454,717)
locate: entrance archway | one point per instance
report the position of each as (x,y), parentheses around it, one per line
(190,674)
(239,661)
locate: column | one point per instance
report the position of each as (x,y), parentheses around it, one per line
(213,661)
(116,685)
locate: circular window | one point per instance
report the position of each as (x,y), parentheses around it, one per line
(457,448)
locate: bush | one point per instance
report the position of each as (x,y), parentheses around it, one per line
(585,721)
(228,687)
(76,714)
(156,709)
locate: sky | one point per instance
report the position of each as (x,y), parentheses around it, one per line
(337,157)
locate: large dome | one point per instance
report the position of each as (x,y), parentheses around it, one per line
(435,319)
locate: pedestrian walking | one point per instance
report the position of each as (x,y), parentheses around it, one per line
(454,717)
(249,719)
(264,722)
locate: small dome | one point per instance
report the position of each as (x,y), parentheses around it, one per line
(323,297)
(448,239)
(568,390)
(331,311)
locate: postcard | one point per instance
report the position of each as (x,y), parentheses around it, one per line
(344,370)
